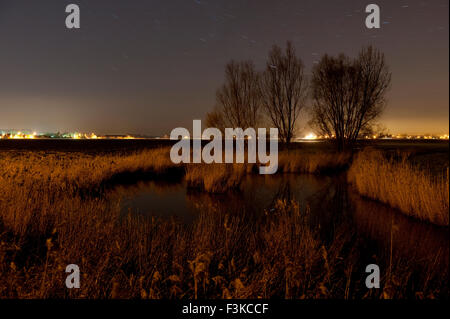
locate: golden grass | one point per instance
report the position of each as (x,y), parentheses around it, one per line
(220,256)
(309,162)
(216,178)
(30,181)
(45,224)
(402,185)
(219,178)
(79,170)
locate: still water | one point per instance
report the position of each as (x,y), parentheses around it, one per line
(381,231)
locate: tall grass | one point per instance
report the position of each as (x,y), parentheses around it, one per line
(65,170)
(397,182)
(32,183)
(216,178)
(219,178)
(297,161)
(219,256)
(46,225)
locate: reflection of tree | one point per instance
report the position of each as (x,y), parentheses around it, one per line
(329,207)
(159,187)
(231,202)
(284,192)
(349,227)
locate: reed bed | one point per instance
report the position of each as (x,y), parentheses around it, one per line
(219,178)
(31,183)
(397,182)
(314,163)
(216,178)
(221,255)
(67,170)
(45,226)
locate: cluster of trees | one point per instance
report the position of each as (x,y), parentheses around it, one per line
(344,95)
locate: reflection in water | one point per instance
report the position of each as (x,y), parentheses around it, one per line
(385,234)
(259,193)
(157,198)
(400,235)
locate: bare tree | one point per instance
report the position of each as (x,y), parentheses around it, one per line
(284,90)
(238,100)
(349,94)
(215,119)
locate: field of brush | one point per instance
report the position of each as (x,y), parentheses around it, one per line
(55,211)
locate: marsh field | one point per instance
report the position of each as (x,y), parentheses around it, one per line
(139,226)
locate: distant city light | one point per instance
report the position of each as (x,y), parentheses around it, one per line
(88,136)
(75,136)
(310,136)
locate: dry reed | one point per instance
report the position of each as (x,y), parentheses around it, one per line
(309,162)
(46,225)
(215,178)
(402,185)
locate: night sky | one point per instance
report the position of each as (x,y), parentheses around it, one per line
(146,67)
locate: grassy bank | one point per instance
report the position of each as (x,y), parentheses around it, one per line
(402,185)
(298,161)
(32,184)
(46,224)
(63,170)
(220,255)
(216,178)
(68,172)
(219,178)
